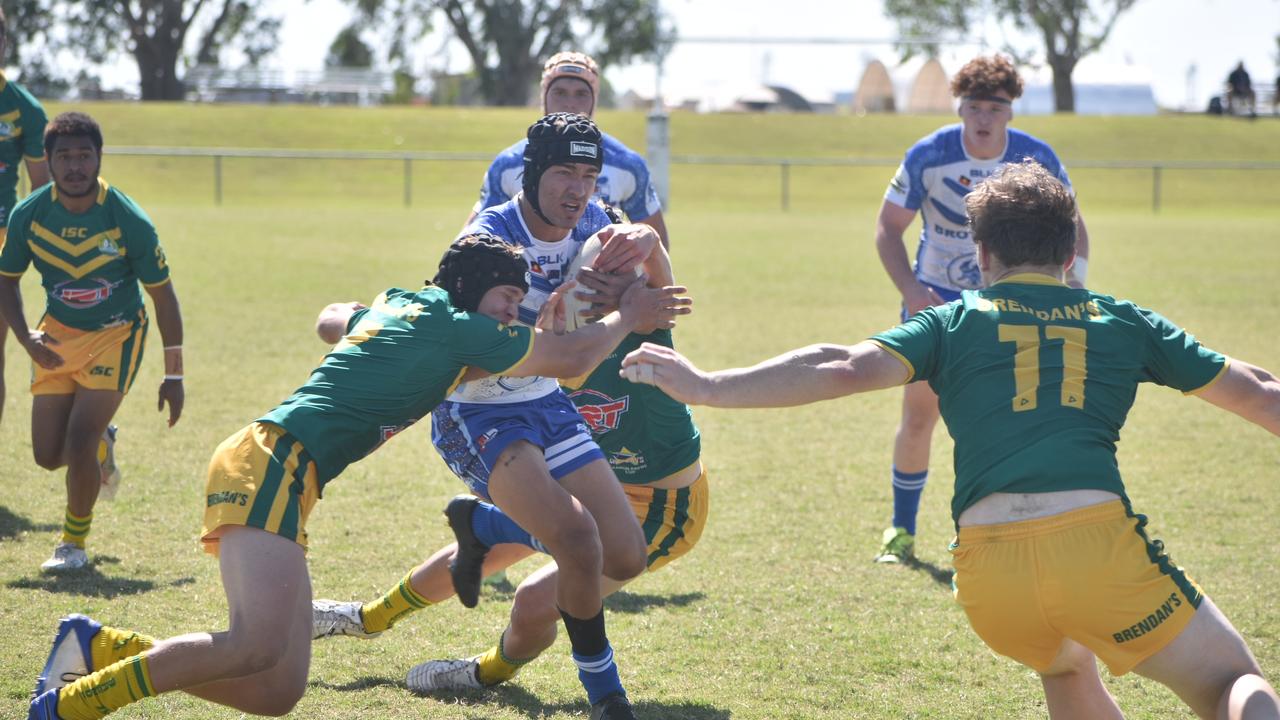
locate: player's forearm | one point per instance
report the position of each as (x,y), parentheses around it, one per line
(658,268)
(591,344)
(11,308)
(807,375)
(893,256)
(169,320)
(1249,391)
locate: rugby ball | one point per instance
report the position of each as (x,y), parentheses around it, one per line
(572,305)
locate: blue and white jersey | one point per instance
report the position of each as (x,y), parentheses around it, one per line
(934,178)
(623,182)
(548,262)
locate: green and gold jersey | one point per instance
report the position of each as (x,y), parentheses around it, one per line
(1035,379)
(22,122)
(400,358)
(645,435)
(90,264)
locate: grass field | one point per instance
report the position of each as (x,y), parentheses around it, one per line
(779,612)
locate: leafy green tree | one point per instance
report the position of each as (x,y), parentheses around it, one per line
(507,40)
(1068,29)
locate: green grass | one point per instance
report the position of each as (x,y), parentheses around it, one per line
(778,613)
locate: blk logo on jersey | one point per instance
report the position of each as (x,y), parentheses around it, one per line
(601,412)
(83,297)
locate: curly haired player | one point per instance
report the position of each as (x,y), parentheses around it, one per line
(933,180)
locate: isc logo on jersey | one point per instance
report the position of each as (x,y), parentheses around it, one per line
(601,412)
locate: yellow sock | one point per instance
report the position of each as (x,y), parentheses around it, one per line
(386,610)
(496,667)
(76,529)
(107,690)
(111,645)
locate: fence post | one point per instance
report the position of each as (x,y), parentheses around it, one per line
(408,181)
(217,180)
(1155,188)
(786,185)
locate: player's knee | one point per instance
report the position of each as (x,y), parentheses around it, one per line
(577,545)
(82,442)
(534,609)
(258,652)
(1249,696)
(626,563)
(276,701)
(49,458)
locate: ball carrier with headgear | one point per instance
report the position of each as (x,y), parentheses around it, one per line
(571,83)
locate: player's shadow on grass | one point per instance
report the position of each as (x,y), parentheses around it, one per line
(91,582)
(942,576)
(513,697)
(12,525)
(627,602)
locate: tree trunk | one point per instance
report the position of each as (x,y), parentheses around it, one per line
(158,70)
(1064,91)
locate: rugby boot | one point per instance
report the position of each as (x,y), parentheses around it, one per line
(899,546)
(70,656)
(465,568)
(330,617)
(613,707)
(445,675)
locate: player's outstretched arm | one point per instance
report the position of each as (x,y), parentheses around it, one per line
(331,324)
(799,377)
(579,352)
(1248,391)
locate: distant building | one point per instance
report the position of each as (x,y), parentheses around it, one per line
(772,98)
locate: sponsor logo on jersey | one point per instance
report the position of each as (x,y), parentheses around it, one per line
(81,298)
(963,272)
(980,173)
(940,231)
(226,497)
(390,431)
(578,148)
(602,413)
(102,370)
(627,459)
(485,438)
(1150,622)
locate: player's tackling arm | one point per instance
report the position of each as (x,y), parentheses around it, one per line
(799,377)
(566,355)
(1248,391)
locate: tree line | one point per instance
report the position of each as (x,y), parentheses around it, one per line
(55,41)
